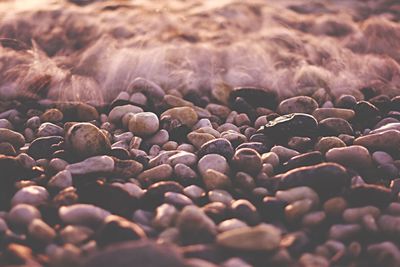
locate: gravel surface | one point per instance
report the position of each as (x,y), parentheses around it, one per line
(186,180)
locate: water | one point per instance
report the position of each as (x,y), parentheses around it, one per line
(92,52)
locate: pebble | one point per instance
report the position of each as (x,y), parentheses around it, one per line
(75,234)
(159,173)
(256,97)
(86,140)
(23,214)
(296,124)
(355,215)
(214,162)
(98,164)
(324,113)
(230,224)
(369,194)
(356,157)
(298,193)
(335,126)
(297,104)
(49,129)
(247,160)
(216,180)
(33,195)
(14,138)
(7,149)
(326,179)
(61,180)
(82,214)
(198,139)
(165,216)
(182,157)
(117,229)
(271,158)
(217,146)
(344,231)
(326,143)
(310,260)
(140,253)
(40,230)
(52,115)
(160,138)
(382,158)
(43,147)
(194,226)
(298,209)
(127,168)
(259,238)
(221,196)
(144,124)
(186,115)
(194,192)
(6,124)
(386,141)
(283,153)
(116,114)
(335,206)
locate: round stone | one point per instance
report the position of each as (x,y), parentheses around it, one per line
(213,161)
(144,124)
(297,104)
(247,160)
(33,195)
(86,140)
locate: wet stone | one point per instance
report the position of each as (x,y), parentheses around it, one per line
(326,143)
(302,160)
(14,138)
(49,129)
(296,124)
(369,194)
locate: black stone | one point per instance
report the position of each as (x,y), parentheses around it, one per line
(306,159)
(257,146)
(295,124)
(43,147)
(245,211)
(369,194)
(117,229)
(154,195)
(256,97)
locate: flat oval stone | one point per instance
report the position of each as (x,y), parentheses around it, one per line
(98,164)
(82,214)
(264,237)
(86,140)
(326,143)
(118,112)
(186,115)
(324,113)
(49,129)
(214,162)
(356,157)
(327,179)
(297,104)
(33,195)
(296,124)
(14,138)
(388,141)
(302,160)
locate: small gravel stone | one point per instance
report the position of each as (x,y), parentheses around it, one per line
(356,157)
(33,195)
(86,140)
(284,153)
(159,173)
(335,126)
(385,141)
(216,180)
(326,143)
(213,161)
(41,231)
(23,214)
(260,238)
(98,164)
(198,139)
(82,214)
(324,113)
(247,160)
(118,112)
(217,146)
(144,124)
(52,115)
(194,226)
(297,104)
(49,129)
(14,138)
(61,180)
(186,115)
